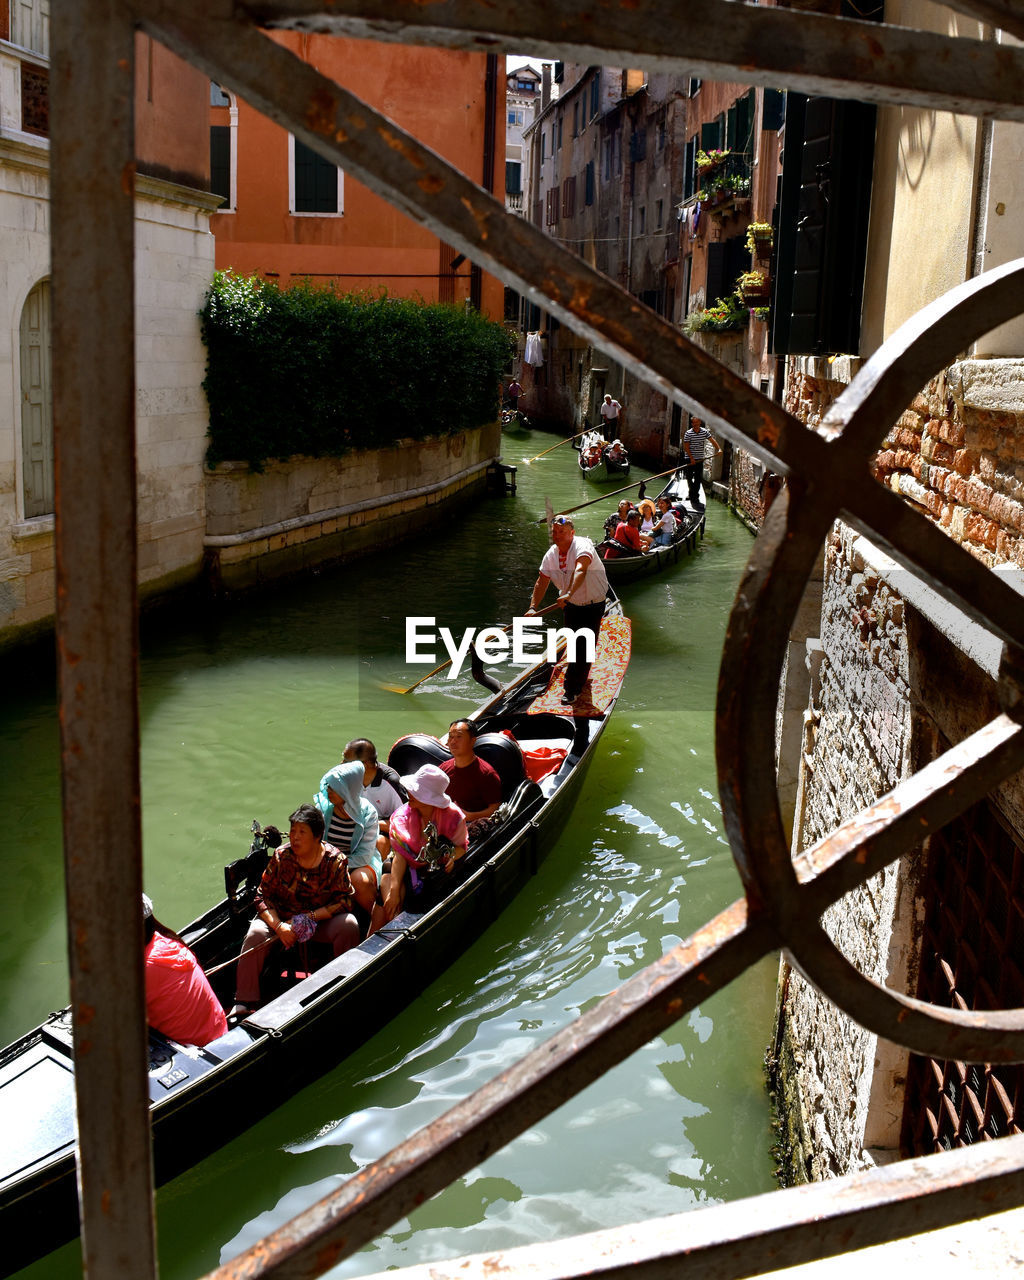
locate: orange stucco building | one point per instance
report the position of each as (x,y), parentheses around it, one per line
(289,215)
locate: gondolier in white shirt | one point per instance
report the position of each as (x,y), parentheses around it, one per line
(573,565)
(695,445)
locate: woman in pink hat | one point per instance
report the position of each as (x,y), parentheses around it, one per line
(428,837)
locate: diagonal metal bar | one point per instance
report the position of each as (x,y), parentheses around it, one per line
(93,211)
(1008,15)
(777,1230)
(811,52)
(419,182)
(379,1195)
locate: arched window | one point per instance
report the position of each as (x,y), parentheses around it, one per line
(36,403)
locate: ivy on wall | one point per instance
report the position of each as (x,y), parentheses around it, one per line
(311,371)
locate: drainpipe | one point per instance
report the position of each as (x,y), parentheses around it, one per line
(545,85)
(487,178)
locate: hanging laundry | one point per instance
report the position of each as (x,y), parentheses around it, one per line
(533,353)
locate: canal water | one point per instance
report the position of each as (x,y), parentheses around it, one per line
(243,708)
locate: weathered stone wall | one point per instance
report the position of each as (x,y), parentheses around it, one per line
(888,680)
(307,511)
(857,743)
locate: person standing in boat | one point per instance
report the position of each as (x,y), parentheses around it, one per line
(573,565)
(428,837)
(305,893)
(611,411)
(695,444)
(180,1003)
(514,392)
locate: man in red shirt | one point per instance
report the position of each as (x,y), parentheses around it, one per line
(475,786)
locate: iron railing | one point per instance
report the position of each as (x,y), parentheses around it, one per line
(828,476)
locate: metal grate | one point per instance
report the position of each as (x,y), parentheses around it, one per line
(35,99)
(828,474)
(972,956)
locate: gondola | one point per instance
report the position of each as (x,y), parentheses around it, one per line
(595,471)
(201,1098)
(618,469)
(629,566)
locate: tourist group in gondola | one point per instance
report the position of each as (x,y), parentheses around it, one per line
(384,877)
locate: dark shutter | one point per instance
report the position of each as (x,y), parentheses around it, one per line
(727,260)
(513,177)
(823,222)
(588,183)
(220,160)
(710,135)
(774,113)
(316,182)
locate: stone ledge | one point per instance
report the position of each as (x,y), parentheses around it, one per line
(996,385)
(841,369)
(35,527)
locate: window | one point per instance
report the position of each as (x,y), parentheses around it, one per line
(559,131)
(516,116)
(568,197)
(660,131)
(588,183)
(218,98)
(638,145)
(695,86)
(659,214)
(774,113)
(513,177)
(30,25)
(551,207)
(575,119)
(642,220)
(36,404)
(316,183)
(543,146)
(220,161)
(595,91)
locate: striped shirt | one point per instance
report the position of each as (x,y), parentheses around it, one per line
(696,439)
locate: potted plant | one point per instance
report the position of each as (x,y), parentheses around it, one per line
(726,315)
(707,160)
(759,239)
(754,285)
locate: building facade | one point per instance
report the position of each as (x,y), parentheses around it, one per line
(290,215)
(174,261)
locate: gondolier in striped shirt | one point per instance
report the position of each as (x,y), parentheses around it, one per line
(695,443)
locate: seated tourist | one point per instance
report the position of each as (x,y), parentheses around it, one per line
(180,1002)
(428,837)
(352,826)
(305,893)
(627,537)
(473,784)
(617,517)
(381,786)
(647,517)
(667,524)
(617,451)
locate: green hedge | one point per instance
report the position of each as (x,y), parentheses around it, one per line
(310,371)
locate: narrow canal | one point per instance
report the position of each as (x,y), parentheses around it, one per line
(242,709)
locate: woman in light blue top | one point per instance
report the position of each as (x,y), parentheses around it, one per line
(354,824)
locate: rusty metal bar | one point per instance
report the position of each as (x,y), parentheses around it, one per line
(92,206)
(714,39)
(381,1194)
(777,1230)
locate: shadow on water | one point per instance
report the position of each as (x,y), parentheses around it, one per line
(244,706)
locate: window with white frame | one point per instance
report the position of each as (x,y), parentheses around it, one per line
(315,185)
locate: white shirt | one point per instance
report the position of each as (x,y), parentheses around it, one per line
(594,586)
(610,410)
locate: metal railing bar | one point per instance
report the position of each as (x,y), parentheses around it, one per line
(771,1231)
(603,1036)
(811,52)
(93,221)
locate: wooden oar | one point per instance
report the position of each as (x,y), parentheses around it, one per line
(604,496)
(527,461)
(394,688)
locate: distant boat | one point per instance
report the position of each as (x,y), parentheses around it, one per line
(202,1097)
(629,565)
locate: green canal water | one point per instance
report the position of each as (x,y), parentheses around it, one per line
(243,708)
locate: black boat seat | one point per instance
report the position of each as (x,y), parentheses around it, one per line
(505,756)
(415,750)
